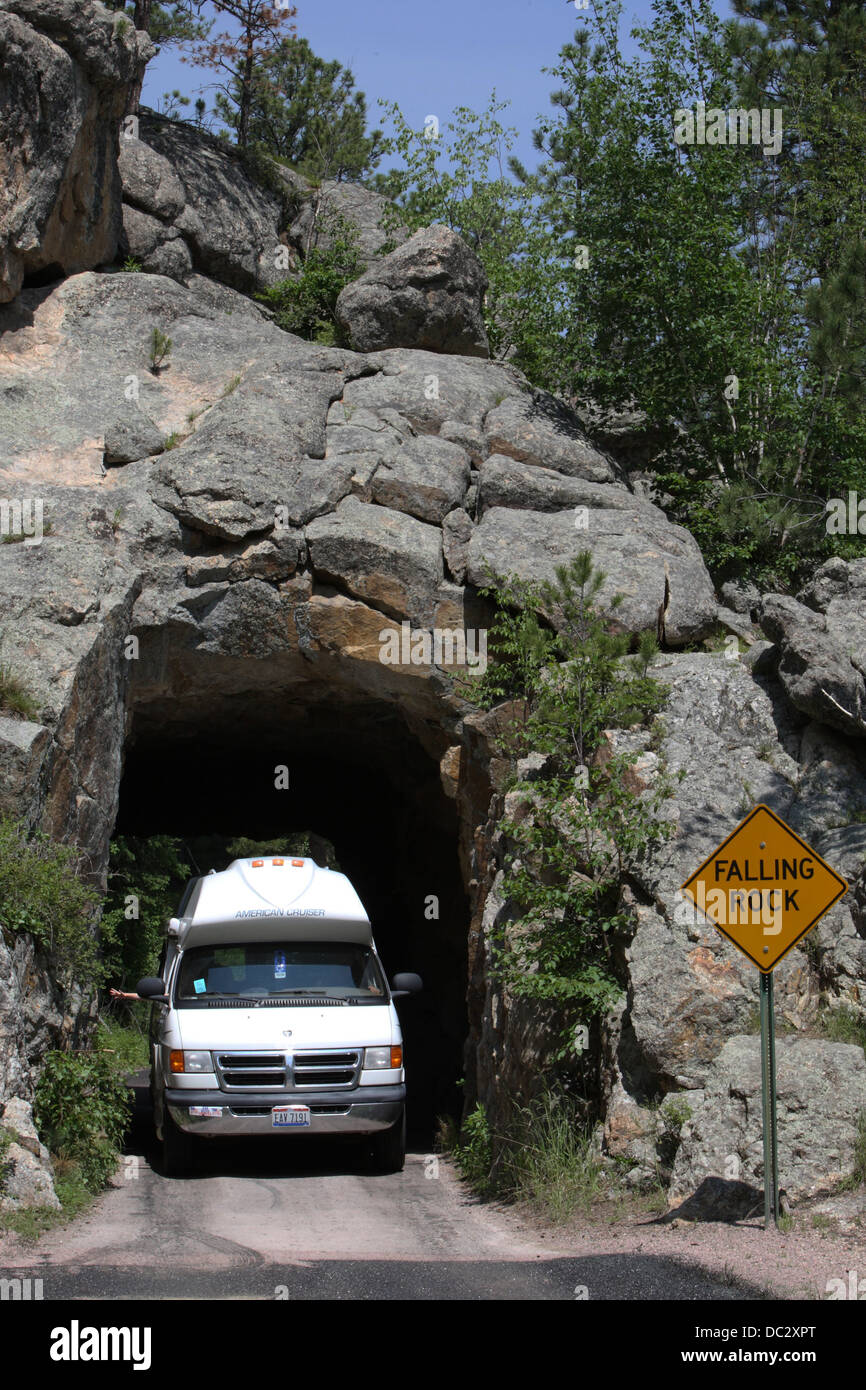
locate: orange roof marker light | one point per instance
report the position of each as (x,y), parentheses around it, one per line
(297,863)
(281,862)
(258,863)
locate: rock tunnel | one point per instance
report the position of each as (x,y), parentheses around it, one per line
(264,764)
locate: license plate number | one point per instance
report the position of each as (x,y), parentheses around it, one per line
(290,1116)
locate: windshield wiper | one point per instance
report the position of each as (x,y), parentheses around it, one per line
(210,994)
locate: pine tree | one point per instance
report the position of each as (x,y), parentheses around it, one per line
(304,110)
(238,54)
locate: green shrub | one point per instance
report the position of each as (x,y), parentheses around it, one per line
(675,1112)
(306,305)
(160,347)
(42,894)
(473,1153)
(583,820)
(81,1109)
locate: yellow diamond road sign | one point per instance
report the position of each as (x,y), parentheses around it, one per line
(764,888)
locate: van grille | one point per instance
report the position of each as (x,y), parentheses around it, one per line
(252,1071)
(336,1069)
(313,1069)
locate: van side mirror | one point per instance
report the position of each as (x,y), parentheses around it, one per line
(153,989)
(408,983)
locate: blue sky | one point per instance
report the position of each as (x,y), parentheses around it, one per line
(431,55)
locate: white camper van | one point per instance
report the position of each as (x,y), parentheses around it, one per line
(275,1016)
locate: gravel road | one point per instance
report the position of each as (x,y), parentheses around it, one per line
(282,1219)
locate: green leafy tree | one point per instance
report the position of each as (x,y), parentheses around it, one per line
(458,176)
(145,878)
(305,112)
(581,822)
(673,280)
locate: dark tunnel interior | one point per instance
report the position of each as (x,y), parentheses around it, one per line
(358,778)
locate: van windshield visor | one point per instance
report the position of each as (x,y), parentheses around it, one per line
(282,972)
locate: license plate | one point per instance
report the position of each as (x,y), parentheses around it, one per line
(291,1116)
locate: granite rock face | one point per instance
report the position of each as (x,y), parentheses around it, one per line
(822,645)
(66,67)
(252,530)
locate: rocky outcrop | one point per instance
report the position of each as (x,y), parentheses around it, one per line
(189,204)
(821,1089)
(26,1173)
(427,294)
(66,67)
(325,208)
(191,207)
(822,642)
(235,536)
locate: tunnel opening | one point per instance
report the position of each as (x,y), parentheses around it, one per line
(355,776)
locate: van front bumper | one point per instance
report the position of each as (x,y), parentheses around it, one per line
(361,1111)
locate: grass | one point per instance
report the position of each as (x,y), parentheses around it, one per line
(552,1165)
(15,698)
(32,1222)
(233,384)
(843,1025)
(129,1046)
(16,537)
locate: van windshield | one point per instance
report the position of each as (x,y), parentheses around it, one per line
(277,971)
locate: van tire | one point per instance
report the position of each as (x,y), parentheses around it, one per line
(177,1148)
(389,1148)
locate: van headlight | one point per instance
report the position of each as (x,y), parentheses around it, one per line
(385,1058)
(190,1061)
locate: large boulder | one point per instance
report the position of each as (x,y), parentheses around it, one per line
(822,645)
(324,208)
(821,1092)
(540,430)
(191,205)
(427,294)
(653,564)
(66,68)
(26,1174)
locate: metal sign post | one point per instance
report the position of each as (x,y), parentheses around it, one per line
(768,1099)
(764,888)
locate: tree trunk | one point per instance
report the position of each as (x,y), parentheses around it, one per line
(141,20)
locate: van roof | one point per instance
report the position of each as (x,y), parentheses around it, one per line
(273,898)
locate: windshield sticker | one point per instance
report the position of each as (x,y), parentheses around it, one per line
(279,965)
(199,986)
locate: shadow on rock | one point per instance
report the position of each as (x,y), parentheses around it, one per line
(718,1199)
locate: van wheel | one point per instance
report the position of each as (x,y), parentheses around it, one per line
(389,1148)
(177,1148)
